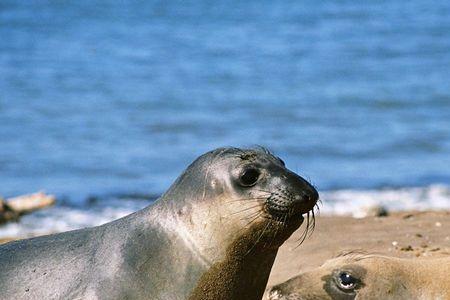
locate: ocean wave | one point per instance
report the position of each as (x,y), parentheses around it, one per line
(357,202)
(64,218)
(338,202)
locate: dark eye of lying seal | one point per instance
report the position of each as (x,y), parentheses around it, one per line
(347,281)
(249,177)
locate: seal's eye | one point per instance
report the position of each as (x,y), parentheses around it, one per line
(249,177)
(346,281)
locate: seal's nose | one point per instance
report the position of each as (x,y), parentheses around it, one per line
(306,195)
(311,194)
(296,197)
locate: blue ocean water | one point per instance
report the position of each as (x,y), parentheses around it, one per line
(106,98)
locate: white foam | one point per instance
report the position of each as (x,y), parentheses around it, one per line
(338,202)
(356,202)
(64,218)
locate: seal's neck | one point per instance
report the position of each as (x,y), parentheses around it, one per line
(239,276)
(243,272)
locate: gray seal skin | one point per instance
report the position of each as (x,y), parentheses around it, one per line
(362,276)
(213,235)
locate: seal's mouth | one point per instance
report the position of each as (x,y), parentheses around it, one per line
(284,205)
(290,210)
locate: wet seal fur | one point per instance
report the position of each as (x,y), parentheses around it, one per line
(357,275)
(213,235)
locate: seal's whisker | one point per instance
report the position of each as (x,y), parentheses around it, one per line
(245,227)
(245,209)
(271,238)
(304,233)
(259,237)
(264,191)
(283,222)
(243,202)
(302,236)
(276,231)
(253,218)
(317,207)
(245,199)
(291,210)
(313,225)
(273,235)
(253,213)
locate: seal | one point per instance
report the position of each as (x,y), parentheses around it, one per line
(213,235)
(357,275)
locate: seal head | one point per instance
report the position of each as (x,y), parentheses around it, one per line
(242,187)
(356,275)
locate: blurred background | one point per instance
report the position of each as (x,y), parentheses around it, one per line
(104,103)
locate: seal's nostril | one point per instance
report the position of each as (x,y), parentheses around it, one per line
(315,195)
(311,195)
